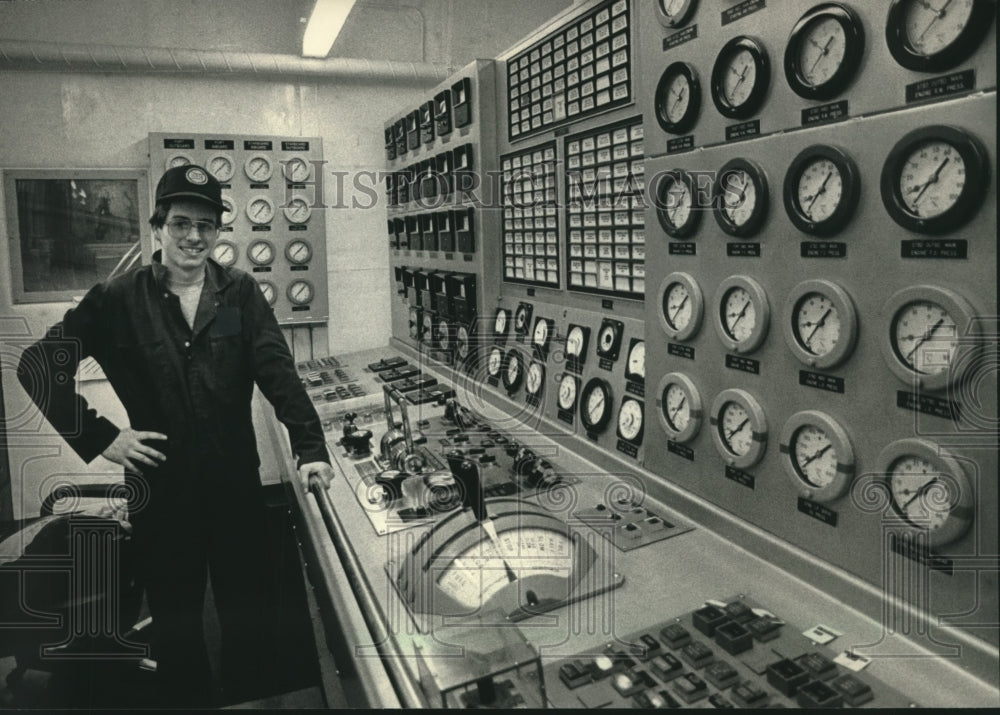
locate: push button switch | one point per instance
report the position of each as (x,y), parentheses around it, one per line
(819,666)
(574,674)
(675,636)
(764,629)
(721,675)
(815,694)
(786,676)
(666,667)
(733,638)
(854,691)
(697,655)
(708,618)
(750,695)
(691,688)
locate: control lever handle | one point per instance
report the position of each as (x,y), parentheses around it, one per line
(469,475)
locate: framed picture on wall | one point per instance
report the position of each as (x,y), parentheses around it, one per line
(69,229)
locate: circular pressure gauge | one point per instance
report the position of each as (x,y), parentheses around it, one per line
(298,252)
(824,51)
(742,314)
(576,342)
(416,323)
(934,179)
(296,169)
(269,291)
(221,167)
(258,168)
(535,380)
(678,98)
(494,363)
(297,210)
(740,428)
(936,35)
(542,333)
(821,325)
(676,208)
(675,13)
(301,292)
(260,210)
(635,366)
(522,318)
(175,160)
(567,392)
(740,77)
(462,342)
(443,332)
(929,489)
(513,375)
(224,253)
(681,306)
(595,405)
(926,335)
(609,339)
(428,331)
(740,198)
(679,404)
(229,212)
(501,322)
(630,421)
(820,457)
(821,190)
(261,253)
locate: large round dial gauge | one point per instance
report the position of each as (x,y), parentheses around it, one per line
(501,322)
(296,169)
(678,98)
(543,331)
(934,179)
(739,428)
(821,325)
(926,335)
(740,77)
(678,405)
(929,489)
(681,306)
(258,168)
(567,392)
(513,374)
(676,208)
(821,190)
(740,198)
(297,210)
(229,212)
(630,420)
(225,253)
(494,363)
(635,366)
(936,35)
(261,253)
(298,252)
(301,292)
(534,382)
(268,290)
(595,405)
(175,160)
(576,343)
(824,51)
(675,13)
(609,338)
(522,318)
(221,167)
(742,314)
(462,342)
(260,210)
(820,459)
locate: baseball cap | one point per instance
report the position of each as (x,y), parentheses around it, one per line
(190,182)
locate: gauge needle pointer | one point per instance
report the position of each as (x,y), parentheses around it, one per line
(932,180)
(679,306)
(491,530)
(819,324)
(742,424)
(920,492)
(816,456)
(819,191)
(925,337)
(739,316)
(679,406)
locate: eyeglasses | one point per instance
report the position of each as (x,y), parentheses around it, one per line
(180,228)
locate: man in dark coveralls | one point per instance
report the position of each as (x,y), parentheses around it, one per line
(182,342)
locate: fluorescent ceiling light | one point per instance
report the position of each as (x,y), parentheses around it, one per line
(327,19)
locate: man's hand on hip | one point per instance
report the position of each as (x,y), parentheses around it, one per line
(129,451)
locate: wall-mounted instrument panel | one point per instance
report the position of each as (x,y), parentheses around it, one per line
(274,227)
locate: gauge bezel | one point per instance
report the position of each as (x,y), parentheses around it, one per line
(257,220)
(854,46)
(584,344)
(758,426)
(596,383)
(762,74)
(664,184)
(224,177)
(839,442)
(846,311)
(690,116)
(694,401)
(169,164)
(260,242)
(500,362)
(290,214)
(576,392)
(265,177)
(629,375)
(262,284)
(762,310)
(525,309)
(618,327)
(960,310)
(445,335)
(298,261)
(637,439)
(977,174)
(678,19)
(759,213)
(534,366)
(462,342)
(228,215)
(225,243)
(850,194)
(513,357)
(288,163)
(506,324)
(696,298)
(960,515)
(961,48)
(291,287)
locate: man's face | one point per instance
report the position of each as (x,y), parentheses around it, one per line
(187,253)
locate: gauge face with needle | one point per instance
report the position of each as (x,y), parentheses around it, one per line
(298,252)
(740,433)
(260,210)
(821,190)
(740,198)
(635,367)
(925,337)
(567,392)
(675,207)
(675,13)
(679,403)
(296,169)
(935,35)
(221,167)
(743,314)
(740,77)
(301,292)
(630,421)
(824,51)
(513,376)
(814,457)
(595,405)
(820,459)
(494,363)
(535,379)
(817,324)
(269,292)
(501,323)
(681,306)
(462,342)
(576,343)
(258,168)
(224,253)
(297,210)
(821,323)
(261,253)
(678,98)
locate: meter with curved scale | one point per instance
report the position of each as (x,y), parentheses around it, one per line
(595,405)
(609,338)
(679,403)
(534,565)
(675,204)
(681,306)
(742,314)
(740,428)
(261,253)
(494,362)
(824,51)
(675,13)
(175,160)
(630,425)
(513,374)
(740,77)
(568,387)
(224,252)
(635,366)
(678,98)
(577,338)
(221,167)
(260,210)
(298,252)
(501,323)
(821,190)
(820,322)
(740,198)
(462,342)
(534,382)
(522,318)
(820,459)
(258,168)
(296,169)
(297,210)
(301,292)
